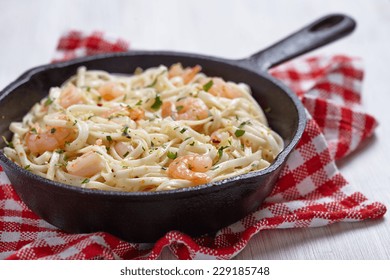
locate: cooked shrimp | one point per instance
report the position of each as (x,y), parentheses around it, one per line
(189,108)
(49,140)
(110,91)
(222,89)
(70,96)
(135,114)
(187,74)
(191,167)
(86,165)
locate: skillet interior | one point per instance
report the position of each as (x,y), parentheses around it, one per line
(144,217)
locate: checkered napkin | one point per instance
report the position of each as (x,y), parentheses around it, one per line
(310,192)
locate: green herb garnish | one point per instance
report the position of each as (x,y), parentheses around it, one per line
(126,154)
(208,85)
(34,130)
(243,124)
(181,98)
(48,101)
(109,138)
(220,151)
(86,180)
(157,103)
(125,130)
(27,167)
(183,130)
(139,103)
(53,130)
(239,132)
(179,108)
(9,144)
(172,155)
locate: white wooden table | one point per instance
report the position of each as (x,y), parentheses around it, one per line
(29,31)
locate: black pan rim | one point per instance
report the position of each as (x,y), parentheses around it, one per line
(210,187)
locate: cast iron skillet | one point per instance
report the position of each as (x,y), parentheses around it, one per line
(145,217)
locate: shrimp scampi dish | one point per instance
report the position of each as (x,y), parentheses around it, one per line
(157,129)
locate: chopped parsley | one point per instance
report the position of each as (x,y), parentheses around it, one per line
(183,130)
(27,167)
(53,130)
(59,151)
(239,132)
(48,101)
(181,98)
(125,131)
(126,154)
(109,138)
(86,180)
(139,103)
(157,103)
(172,155)
(9,144)
(179,108)
(220,151)
(243,124)
(34,130)
(208,85)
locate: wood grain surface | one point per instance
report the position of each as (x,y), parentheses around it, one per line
(29,31)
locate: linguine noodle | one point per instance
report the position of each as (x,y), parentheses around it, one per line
(159,129)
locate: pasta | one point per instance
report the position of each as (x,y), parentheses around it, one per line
(158,129)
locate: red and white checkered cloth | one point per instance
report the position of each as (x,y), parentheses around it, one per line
(310,192)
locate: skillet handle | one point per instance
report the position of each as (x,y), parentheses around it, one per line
(321,32)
